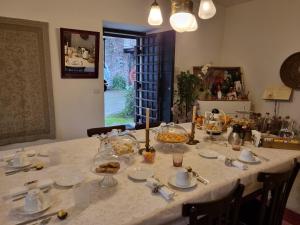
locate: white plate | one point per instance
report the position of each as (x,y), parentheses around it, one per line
(21,210)
(69,177)
(172,181)
(25,164)
(255,161)
(208,154)
(140,174)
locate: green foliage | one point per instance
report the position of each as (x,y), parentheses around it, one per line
(118,82)
(129,102)
(188,90)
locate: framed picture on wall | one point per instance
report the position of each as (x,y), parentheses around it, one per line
(221,83)
(79,53)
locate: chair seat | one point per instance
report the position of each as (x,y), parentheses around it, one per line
(249,212)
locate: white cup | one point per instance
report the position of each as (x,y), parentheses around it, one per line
(247,155)
(18,159)
(34,200)
(183,177)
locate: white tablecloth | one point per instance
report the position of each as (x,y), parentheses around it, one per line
(132,202)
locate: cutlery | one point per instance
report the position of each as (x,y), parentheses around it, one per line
(197,176)
(43,217)
(260,156)
(26,169)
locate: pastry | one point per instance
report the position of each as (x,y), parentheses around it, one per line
(171,137)
(110,167)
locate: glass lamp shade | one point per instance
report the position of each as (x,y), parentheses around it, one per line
(194,26)
(182,21)
(155,17)
(207,9)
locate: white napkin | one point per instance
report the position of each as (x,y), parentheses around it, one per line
(164,191)
(23,189)
(235,163)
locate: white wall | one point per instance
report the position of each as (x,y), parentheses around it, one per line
(259,36)
(79,103)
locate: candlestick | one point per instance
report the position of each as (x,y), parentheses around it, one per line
(192,140)
(194,114)
(147,118)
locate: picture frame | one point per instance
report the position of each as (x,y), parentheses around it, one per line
(79,54)
(221,83)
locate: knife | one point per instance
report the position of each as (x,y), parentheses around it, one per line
(260,157)
(38,218)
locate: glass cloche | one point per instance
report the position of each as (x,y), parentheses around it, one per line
(172,134)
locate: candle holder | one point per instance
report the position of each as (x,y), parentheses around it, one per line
(192,140)
(148,152)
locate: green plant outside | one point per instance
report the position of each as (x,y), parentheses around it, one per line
(118,82)
(117,120)
(129,102)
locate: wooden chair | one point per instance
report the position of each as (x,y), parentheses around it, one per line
(224,211)
(104,130)
(269,208)
(139,126)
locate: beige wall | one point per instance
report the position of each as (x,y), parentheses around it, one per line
(259,36)
(79,103)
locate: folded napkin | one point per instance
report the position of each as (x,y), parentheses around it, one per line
(24,189)
(235,163)
(163,190)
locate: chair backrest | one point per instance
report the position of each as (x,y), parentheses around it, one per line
(139,126)
(224,211)
(275,193)
(104,130)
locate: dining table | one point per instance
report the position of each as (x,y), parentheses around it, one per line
(133,202)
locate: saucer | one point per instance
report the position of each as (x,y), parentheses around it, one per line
(172,181)
(209,154)
(69,178)
(140,174)
(255,161)
(21,210)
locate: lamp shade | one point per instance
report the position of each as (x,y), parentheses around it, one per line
(182,22)
(207,9)
(194,26)
(155,17)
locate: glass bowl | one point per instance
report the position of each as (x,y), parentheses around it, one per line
(172,134)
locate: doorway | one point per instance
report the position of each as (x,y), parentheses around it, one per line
(138,74)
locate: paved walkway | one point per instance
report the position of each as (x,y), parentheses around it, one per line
(114,101)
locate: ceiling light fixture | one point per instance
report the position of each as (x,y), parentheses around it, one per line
(155,17)
(207,9)
(182,18)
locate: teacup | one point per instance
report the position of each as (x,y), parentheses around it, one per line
(247,155)
(34,200)
(18,159)
(183,177)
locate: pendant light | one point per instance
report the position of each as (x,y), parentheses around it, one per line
(182,18)
(155,17)
(207,9)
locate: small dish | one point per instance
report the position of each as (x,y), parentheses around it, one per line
(21,210)
(140,174)
(209,154)
(69,177)
(172,181)
(255,161)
